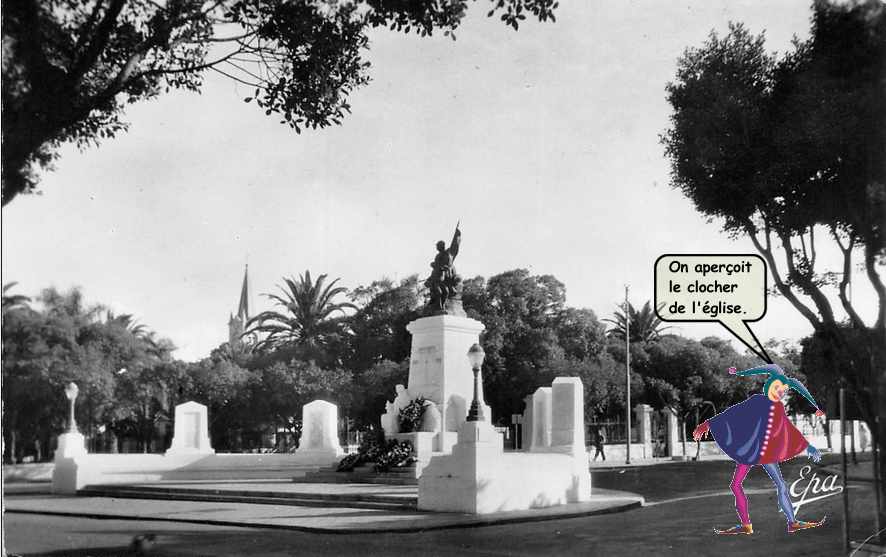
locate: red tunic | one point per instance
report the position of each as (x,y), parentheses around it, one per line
(782,439)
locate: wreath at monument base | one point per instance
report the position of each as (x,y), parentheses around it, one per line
(411,415)
(385,454)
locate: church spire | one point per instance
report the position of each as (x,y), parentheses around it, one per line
(243,308)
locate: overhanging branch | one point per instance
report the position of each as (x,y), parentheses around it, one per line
(783,288)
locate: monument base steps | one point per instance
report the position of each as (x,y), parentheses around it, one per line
(232,495)
(362,474)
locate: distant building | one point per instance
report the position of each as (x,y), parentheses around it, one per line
(237,323)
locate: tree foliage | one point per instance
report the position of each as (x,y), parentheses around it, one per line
(782,149)
(65,340)
(788,151)
(70,68)
(645,326)
(308,306)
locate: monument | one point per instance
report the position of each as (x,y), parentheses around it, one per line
(191,430)
(319,434)
(71,443)
(438,369)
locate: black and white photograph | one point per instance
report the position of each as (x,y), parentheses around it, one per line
(443,278)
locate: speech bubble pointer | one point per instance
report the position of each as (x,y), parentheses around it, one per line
(740,330)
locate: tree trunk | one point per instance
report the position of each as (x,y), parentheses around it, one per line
(10,450)
(878,376)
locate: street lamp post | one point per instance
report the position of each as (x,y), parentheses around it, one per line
(71,392)
(475,356)
(628,375)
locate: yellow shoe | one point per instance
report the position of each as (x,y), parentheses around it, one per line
(747,529)
(801,525)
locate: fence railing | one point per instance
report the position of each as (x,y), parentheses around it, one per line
(614,432)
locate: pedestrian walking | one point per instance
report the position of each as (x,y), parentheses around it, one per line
(599,439)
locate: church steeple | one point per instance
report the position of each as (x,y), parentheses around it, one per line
(237,324)
(243,308)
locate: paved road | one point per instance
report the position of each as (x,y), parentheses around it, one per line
(678,528)
(679,522)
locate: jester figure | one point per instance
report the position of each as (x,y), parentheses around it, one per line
(757,431)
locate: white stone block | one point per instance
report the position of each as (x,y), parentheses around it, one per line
(541,420)
(526,426)
(191,430)
(319,434)
(479,478)
(70,445)
(568,422)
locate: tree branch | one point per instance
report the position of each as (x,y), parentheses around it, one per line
(784,289)
(237,79)
(98,43)
(804,280)
(870,261)
(847,277)
(189,69)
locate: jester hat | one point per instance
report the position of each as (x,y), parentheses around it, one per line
(775,373)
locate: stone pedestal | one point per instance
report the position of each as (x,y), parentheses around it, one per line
(540,437)
(70,445)
(191,433)
(479,478)
(319,434)
(643,415)
(672,435)
(568,416)
(528,420)
(440,372)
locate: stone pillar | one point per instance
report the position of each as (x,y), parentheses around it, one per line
(319,433)
(70,444)
(191,430)
(568,416)
(540,434)
(672,436)
(526,427)
(643,415)
(439,369)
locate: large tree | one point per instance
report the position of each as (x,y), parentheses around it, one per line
(70,67)
(789,151)
(520,313)
(65,340)
(378,328)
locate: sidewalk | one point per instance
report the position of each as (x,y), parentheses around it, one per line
(319,519)
(861,472)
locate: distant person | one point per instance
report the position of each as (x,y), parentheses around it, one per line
(599,439)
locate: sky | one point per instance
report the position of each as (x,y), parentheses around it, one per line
(544,143)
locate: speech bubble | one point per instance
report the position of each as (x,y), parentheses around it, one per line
(724,288)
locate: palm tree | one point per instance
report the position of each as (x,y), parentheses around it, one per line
(645,325)
(308,306)
(129,323)
(139,331)
(14,301)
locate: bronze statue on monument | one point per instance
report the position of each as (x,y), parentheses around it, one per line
(444,283)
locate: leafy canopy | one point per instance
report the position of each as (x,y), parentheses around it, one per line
(70,67)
